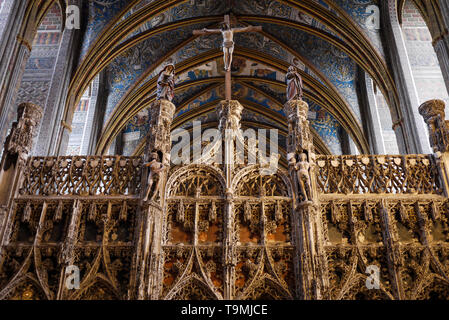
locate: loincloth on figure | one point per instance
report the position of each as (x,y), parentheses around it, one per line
(228,44)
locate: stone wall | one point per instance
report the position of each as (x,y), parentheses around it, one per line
(40,66)
(83,121)
(5,9)
(423,59)
(388,134)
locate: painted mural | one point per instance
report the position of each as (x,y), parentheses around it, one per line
(142,63)
(127,68)
(182,11)
(366,14)
(100,13)
(277,9)
(322,121)
(336,65)
(327,127)
(135,131)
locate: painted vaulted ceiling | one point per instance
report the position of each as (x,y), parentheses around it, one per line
(326,39)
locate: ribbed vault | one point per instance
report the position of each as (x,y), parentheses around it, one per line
(114,42)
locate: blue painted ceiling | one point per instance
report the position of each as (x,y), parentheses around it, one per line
(282,43)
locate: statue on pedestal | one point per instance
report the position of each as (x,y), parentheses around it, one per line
(157,165)
(302,168)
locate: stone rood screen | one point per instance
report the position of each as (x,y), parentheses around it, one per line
(221,230)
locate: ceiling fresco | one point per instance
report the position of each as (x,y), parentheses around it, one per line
(294,33)
(326,126)
(100,13)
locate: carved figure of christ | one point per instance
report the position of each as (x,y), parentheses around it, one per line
(228,47)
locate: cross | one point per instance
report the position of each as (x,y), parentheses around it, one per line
(228,46)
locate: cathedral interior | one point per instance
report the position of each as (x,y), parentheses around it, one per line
(93,207)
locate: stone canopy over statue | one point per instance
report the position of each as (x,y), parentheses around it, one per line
(166,83)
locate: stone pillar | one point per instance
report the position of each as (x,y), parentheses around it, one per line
(434,116)
(408,125)
(15,154)
(17,148)
(441,46)
(14,52)
(391,242)
(374,126)
(47,143)
(3,211)
(148,253)
(12,83)
(67,254)
(439,28)
(312,268)
(229,114)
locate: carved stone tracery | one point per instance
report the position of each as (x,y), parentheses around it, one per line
(220,231)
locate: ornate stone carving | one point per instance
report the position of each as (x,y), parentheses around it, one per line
(161,117)
(413,174)
(299,139)
(433,114)
(302,168)
(158,147)
(229,115)
(156,166)
(300,150)
(221,234)
(91,175)
(246,244)
(20,140)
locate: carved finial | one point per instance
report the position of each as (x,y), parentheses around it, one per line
(433,114)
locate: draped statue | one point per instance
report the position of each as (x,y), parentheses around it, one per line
(166,83)
(294,84)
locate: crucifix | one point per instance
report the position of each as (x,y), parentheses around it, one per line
(228,46)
